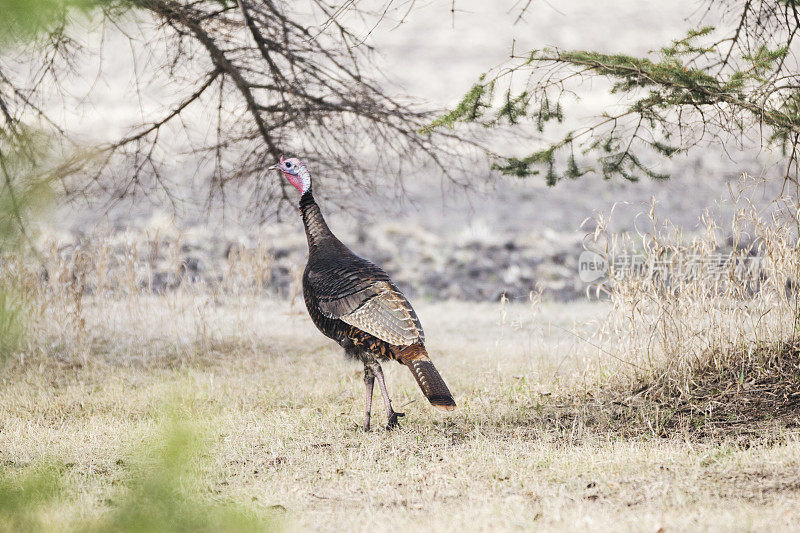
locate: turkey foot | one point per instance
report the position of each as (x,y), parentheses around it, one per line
(392,415)
(394,423)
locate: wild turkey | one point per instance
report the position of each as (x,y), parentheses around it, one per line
(355,303)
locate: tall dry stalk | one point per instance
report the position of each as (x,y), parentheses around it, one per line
(685,304)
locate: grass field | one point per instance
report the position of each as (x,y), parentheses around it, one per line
(278,409)
(672,404)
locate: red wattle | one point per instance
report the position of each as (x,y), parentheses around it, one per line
(294,180)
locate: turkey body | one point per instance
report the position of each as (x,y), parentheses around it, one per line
(354,302)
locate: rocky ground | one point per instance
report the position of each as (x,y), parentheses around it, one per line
(503,237)
(423,263)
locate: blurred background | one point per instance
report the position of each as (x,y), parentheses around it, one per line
(475,235)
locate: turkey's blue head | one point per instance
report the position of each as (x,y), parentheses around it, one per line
(296,172)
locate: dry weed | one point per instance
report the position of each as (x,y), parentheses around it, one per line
(688,311)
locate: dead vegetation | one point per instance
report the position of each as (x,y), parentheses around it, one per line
(702,335)
(761,385)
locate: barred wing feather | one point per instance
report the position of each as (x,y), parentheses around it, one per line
(374,306)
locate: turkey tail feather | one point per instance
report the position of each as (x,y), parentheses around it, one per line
(428,378)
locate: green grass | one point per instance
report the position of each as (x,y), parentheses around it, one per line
(157,488)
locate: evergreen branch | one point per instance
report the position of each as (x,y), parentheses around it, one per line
(690,88)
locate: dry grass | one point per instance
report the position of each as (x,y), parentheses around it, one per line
(702,336)
(562,419)
(281,407)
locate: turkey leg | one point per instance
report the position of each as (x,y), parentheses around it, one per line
(390,413)
(369,381)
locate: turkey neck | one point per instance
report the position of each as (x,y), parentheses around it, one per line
(317,230)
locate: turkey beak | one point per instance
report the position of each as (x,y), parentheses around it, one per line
(274,167)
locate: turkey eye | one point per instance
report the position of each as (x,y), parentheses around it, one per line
(288,165)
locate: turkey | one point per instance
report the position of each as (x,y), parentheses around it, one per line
(355,303)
